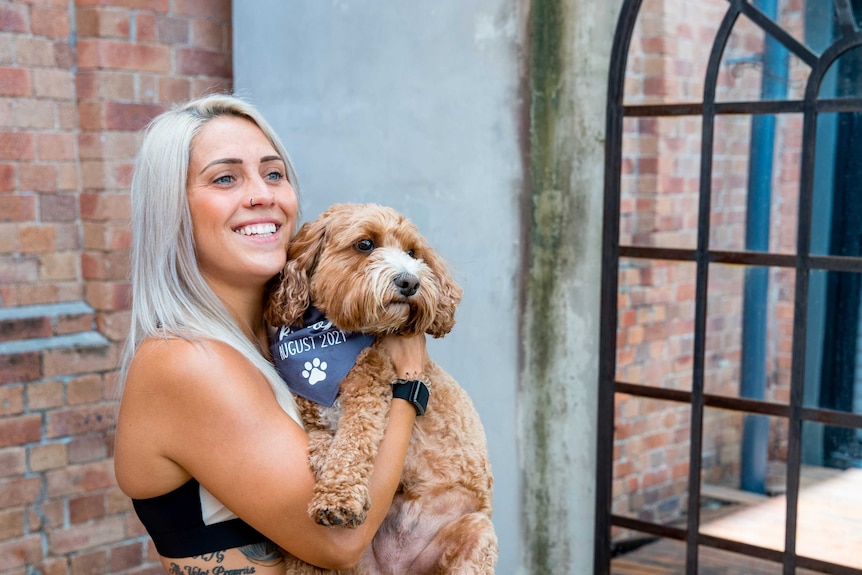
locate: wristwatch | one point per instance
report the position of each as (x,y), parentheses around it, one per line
(413,390)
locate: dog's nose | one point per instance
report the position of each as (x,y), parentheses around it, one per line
(407,284)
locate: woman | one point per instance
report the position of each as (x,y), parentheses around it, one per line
(209,445)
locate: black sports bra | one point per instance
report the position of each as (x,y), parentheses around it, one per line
(175,522)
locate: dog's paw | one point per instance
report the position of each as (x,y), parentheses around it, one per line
(350,514)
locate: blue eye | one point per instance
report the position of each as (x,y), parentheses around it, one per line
(364,246)
(224,180)
(275,176)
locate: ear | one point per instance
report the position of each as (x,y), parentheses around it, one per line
(289,295)
(449,295)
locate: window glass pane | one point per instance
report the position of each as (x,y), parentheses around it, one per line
(844,77)
(669,50)
(656,323)
(833,369)
(742,469)
(830,500)
(757,67)
(660,182)
(711,560)
(755,183)
(651,459)
(639,553)
(837,212)
(749,332)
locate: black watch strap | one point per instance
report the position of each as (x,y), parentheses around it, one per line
(413,390)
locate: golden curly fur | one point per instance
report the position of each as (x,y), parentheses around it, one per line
(359,264)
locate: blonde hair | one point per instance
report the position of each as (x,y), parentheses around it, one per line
(170,297)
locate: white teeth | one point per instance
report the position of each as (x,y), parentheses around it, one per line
(257,230)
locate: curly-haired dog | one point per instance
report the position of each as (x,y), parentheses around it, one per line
(368,270)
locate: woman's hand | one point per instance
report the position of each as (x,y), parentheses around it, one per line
(408,354)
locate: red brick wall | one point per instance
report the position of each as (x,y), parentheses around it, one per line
(78,79)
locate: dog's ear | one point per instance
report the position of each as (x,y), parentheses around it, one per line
(449,298)
(289,293)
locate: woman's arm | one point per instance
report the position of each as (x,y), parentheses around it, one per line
(203,410)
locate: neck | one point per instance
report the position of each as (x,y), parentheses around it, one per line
(246,307)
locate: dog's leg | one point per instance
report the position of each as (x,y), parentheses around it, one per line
(467,546)
(294,566)
(341,494)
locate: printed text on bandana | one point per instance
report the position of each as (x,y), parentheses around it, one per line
(314,359)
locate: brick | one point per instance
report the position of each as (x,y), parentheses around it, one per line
(109,295)
(194,62)
(145,27)
(130,117)
(17,209)
(112,145)
(32,114)
(11,400)
(91,563)
(174,89)
(49,21)
(25,328)
(115,325)
(149,5)
(20,430)
(56,84)
(67,176)
(79,420)
(55,147)
(80,479)
(20,367)
(8,174)
(22,551)
(77,323)
(209,9)
(8,238)
(33,52)
(16,146)
(93,175)
(13,461)
(36,239)
(15,82)
(75,361)
(105,207)
(47,456)
(124,557)
(19,491)
(103,22)
(85,389)
(88,448)
(59,208)
(11,523)
(172,31)
(106,266)
(58,266)
(64,55)
(53,513)
(108,236)
(88,536)
(14,18)
(65,234)
(83,509)
(58,566)
(209,35)
(45,395)
(124,56)
(38,177)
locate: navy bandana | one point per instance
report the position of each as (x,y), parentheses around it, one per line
(313,359)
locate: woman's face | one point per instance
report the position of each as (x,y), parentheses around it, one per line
(238,244)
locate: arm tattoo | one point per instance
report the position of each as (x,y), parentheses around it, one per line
(264,553)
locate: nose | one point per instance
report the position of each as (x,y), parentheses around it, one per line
(263,194)
(407,284)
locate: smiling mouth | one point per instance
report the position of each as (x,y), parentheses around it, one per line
(257,230)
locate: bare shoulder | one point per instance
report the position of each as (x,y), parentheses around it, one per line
(184,405)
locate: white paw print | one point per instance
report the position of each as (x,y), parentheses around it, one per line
(315,371)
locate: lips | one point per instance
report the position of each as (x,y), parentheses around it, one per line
(260,230)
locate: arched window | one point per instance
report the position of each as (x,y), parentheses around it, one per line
(730,398)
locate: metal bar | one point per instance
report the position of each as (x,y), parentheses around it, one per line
(742,548)
(777,32)
(701,281)
(610,262)
(651,528)
(753,107)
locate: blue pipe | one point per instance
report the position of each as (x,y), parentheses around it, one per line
(755,437)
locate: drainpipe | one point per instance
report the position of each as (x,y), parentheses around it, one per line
(755,438)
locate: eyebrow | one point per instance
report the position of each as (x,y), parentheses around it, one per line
(263,160)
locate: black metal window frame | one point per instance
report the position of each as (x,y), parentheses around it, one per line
(803,262)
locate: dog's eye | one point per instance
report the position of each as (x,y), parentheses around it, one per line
(411,253)
(364,246)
